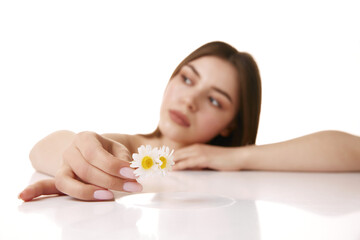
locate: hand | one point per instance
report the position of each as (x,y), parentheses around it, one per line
(92,164)
(201,156)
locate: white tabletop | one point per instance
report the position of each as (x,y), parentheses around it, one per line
(200,205)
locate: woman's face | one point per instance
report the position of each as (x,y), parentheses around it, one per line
(200,102)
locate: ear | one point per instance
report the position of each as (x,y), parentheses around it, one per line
(226,132)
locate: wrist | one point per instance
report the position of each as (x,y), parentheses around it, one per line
(242,157)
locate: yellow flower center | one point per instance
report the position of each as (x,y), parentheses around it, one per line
(163,160)
(147,162)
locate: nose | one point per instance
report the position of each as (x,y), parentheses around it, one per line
(190,100)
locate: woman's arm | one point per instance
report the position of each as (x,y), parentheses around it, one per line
(85,166)
(327,151)
(46,155)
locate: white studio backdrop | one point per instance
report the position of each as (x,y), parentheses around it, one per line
(103,65)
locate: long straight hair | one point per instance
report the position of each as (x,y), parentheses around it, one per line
(246,121)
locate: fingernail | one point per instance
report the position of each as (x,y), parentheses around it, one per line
(132,187)
(127,172)
(103,195)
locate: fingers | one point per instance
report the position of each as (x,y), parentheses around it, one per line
(44,187)
(190,157)
(183,153)
(67,183)
(90,168)
(92,175)
(105,154)
(181,159)
(189,164)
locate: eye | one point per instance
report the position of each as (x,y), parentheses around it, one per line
(187,81)
(215,102)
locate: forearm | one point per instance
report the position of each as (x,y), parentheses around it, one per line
(46,155)
(328,151)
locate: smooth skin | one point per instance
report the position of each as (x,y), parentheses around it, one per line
(86,165)
(99,161)
(326,151)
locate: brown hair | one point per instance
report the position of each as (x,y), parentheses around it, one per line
(246,121)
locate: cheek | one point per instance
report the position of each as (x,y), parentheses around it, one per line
(210,126)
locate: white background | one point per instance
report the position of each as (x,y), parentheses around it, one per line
(103,65)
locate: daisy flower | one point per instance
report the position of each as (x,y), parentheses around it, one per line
(166,158)
(146,161)
(149,161)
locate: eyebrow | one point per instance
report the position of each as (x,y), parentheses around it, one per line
(215,88)
(223,93)
(194,69)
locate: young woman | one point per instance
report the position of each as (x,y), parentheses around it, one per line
(209,114)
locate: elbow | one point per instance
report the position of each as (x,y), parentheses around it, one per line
(49,149)
(34,156)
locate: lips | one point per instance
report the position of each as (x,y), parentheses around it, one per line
(179,118)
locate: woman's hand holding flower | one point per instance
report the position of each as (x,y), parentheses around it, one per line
(92,164)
